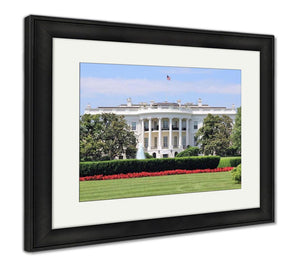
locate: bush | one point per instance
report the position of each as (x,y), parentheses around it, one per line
(104,158)
(229,162)
(148,156)
(237,174)
(147,165)
(189,152)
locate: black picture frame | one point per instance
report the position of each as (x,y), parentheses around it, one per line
(39,32)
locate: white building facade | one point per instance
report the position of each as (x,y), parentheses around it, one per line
(164,129)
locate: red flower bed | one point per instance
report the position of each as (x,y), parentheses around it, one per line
(150,174)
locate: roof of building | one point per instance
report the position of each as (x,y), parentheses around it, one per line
(163,104)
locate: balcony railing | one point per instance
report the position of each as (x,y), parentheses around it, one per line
(164,128)
(166,147)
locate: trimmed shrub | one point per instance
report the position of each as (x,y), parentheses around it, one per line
(189,152)
(147,165)
(234,162)
(229,162)
(148,156)
(237,174)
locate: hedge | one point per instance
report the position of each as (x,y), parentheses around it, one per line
(147,165)
(229,162)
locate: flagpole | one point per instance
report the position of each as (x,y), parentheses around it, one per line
(168,80)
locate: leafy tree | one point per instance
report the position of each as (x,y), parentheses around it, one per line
(214,135)
(104,135)
(237,131)
(131,152)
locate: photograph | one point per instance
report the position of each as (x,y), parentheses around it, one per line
(149,130)
(135,131)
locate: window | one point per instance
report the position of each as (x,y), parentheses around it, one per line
(155,142)
(195,125)
(165,142)
(184,141)
(165,124)
(146,142)
(183,124)
(175,142)
(175,125)
(133,125)
(146,125)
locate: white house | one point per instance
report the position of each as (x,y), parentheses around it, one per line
(164,129)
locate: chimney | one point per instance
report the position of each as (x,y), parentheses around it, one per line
(233,107)
(151,103)
(199,102)
(129,102)
(179,102)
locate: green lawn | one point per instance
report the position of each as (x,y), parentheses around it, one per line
(160,185)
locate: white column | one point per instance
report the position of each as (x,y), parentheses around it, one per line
(159,133)
(143,131)
(187,132)
(180,133)
(150,131)
(170,133)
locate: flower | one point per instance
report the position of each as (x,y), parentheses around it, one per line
(151,174)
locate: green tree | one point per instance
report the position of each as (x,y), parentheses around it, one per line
(214,135)
(131,152)
(104,135)
(237,131)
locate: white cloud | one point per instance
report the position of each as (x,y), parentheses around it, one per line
(92,86)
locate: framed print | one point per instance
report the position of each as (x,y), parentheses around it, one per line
(135,131)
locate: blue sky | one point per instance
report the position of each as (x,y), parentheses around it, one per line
(111,84)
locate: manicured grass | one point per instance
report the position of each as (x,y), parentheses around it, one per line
(160,185)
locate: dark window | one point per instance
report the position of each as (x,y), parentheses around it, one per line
(165,143)
(133,125)
(195,125)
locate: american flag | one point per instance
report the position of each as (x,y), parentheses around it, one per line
(168,78)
